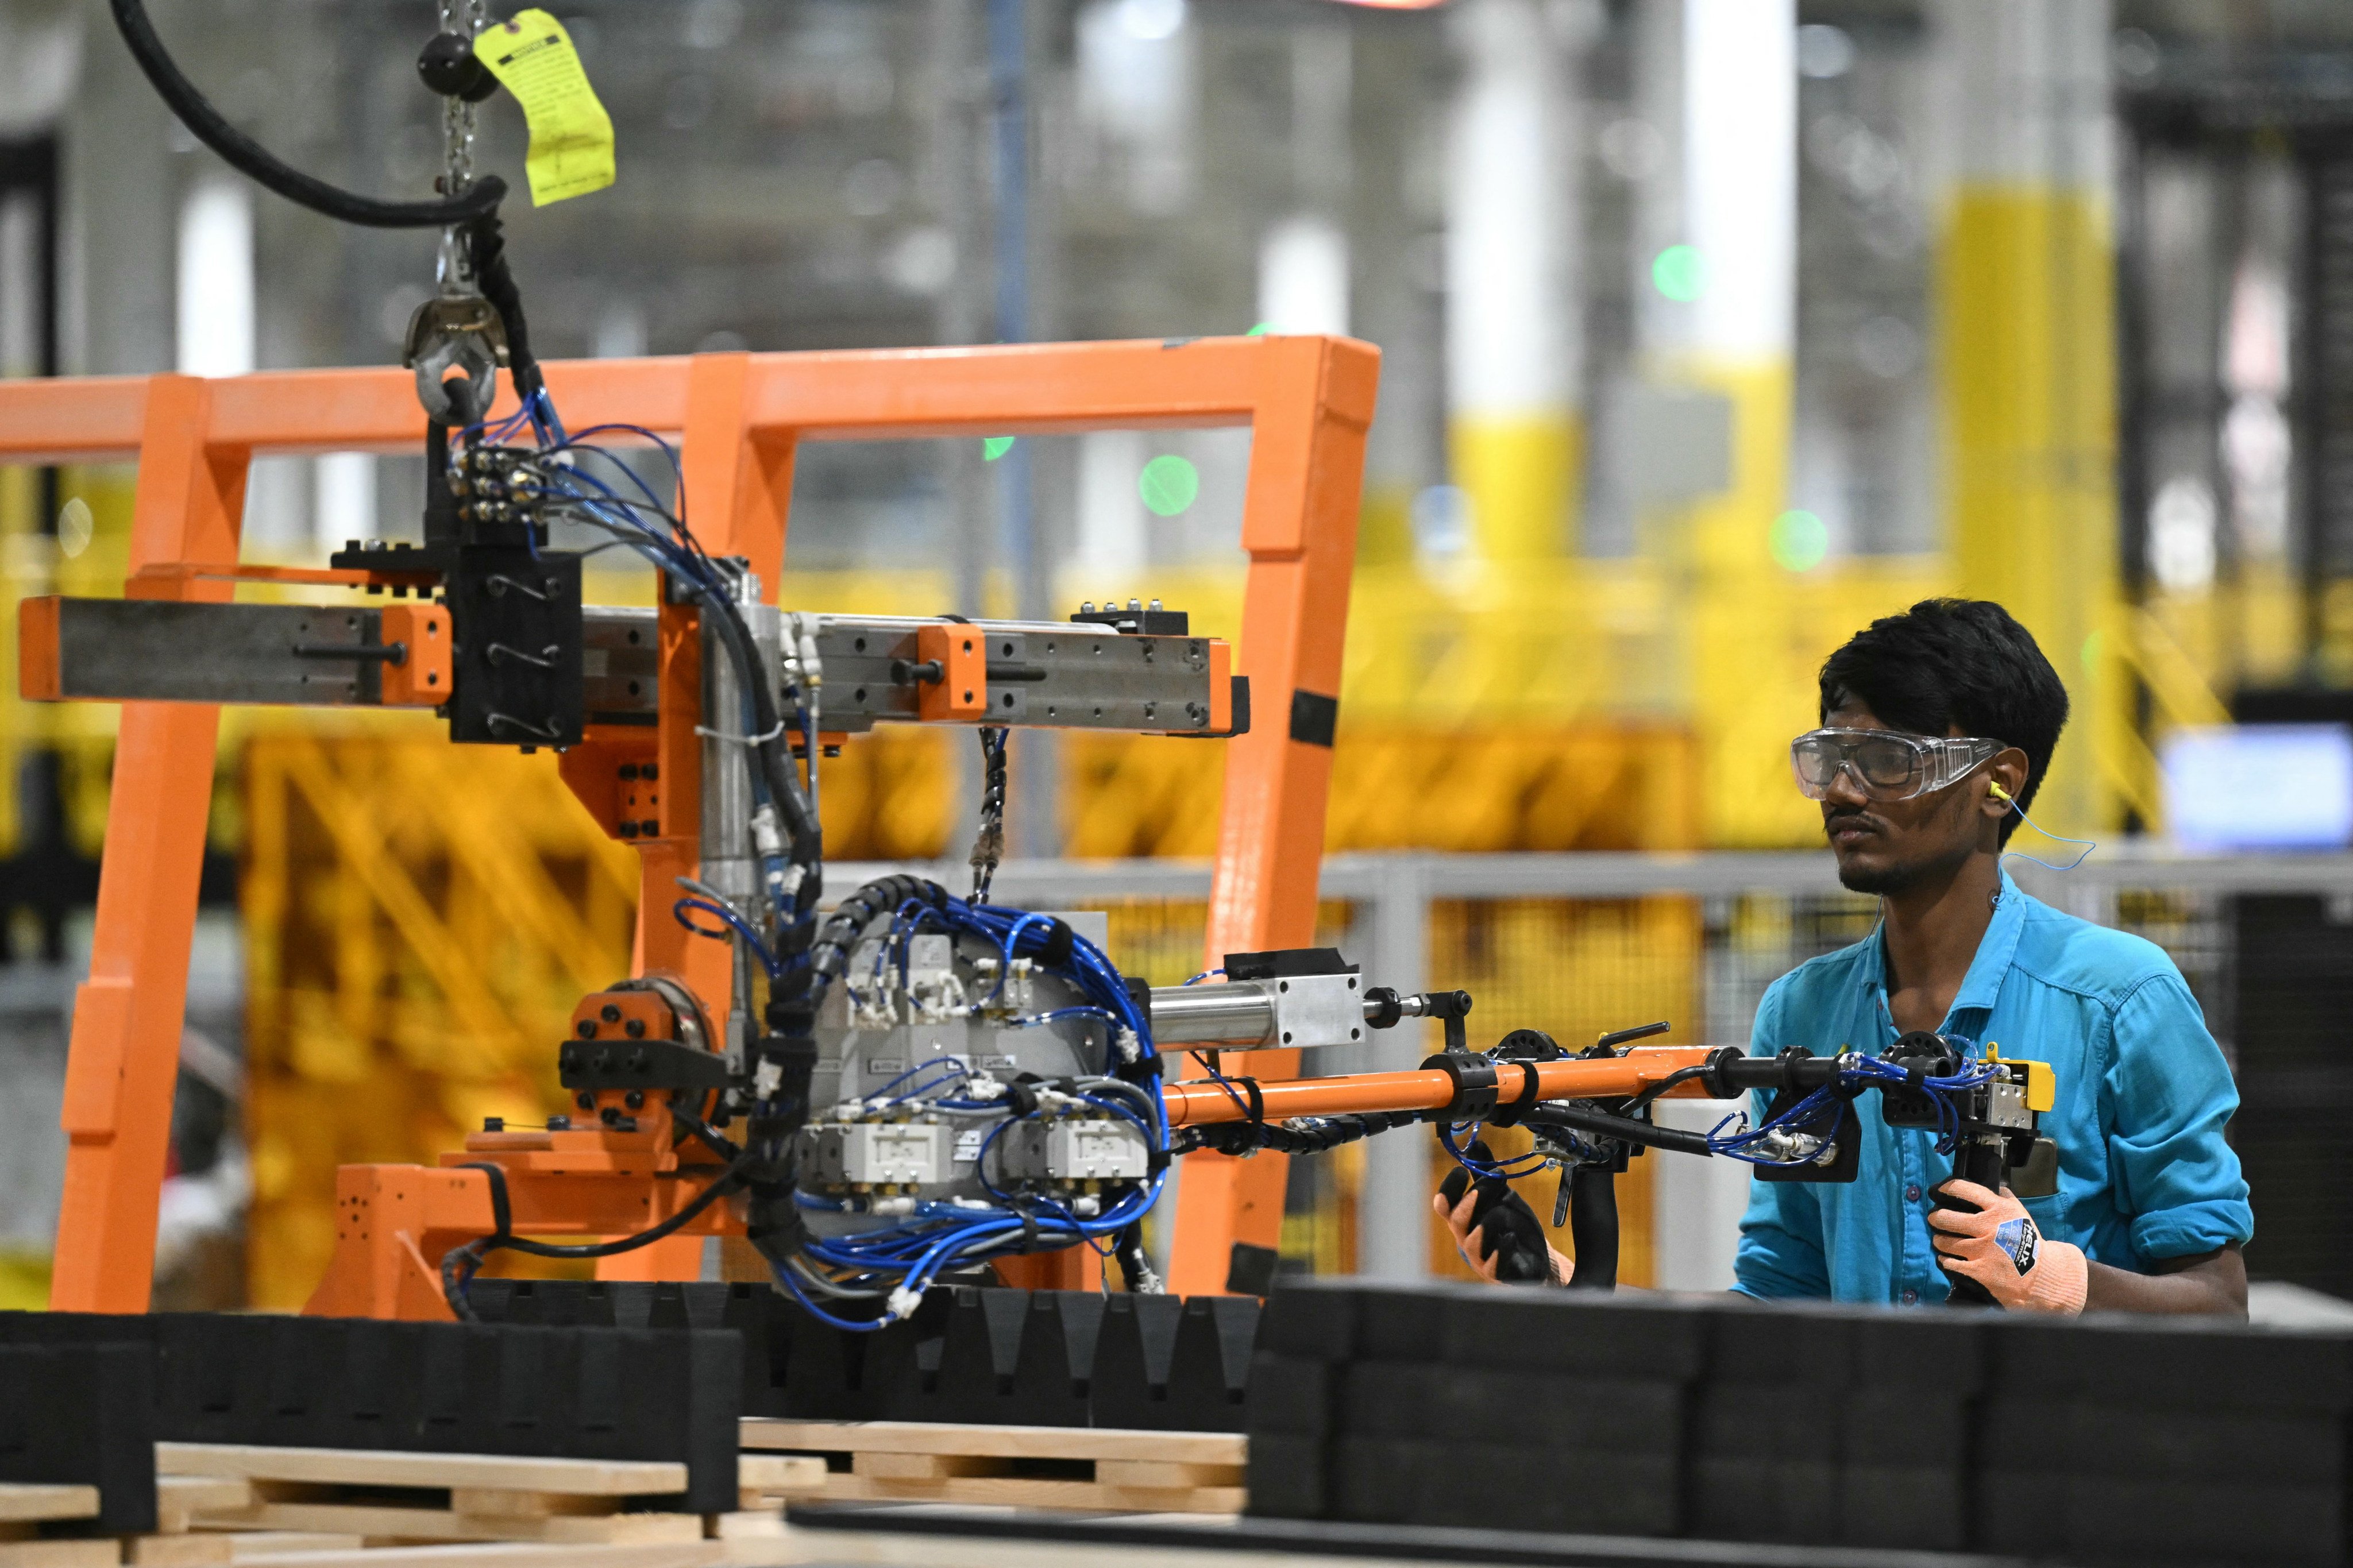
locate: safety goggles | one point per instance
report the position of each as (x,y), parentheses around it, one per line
(1885,765)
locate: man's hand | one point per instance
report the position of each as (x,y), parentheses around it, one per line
(2000,1247)
(1494,1230)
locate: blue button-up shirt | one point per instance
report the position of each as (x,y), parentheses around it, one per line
(2143,1095)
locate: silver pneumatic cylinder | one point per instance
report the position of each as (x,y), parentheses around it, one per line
(728,866)
(1307,1010)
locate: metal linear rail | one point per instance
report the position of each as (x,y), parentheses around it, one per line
(1056,675)
(312,656)
(876,669)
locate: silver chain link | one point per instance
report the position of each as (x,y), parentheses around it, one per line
(466,18)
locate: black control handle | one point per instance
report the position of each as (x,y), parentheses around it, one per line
(1977,1159)
(1593,1225)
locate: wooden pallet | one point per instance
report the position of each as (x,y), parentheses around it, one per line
(1020,1467)
(382,1495)
(266,1545)
(25,1507)
(510,1554)
(766,1481)
(24,1510)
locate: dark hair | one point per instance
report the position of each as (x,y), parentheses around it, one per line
(1955,662)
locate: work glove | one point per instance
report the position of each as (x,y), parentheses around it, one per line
(1494,1230)
(2000,1247)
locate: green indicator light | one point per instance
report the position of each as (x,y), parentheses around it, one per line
(1168,485)
(995,446)
(1798,541)
(1677,274)
(1261,330)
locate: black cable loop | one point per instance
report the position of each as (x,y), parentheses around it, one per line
(502,1209)
(503,1238)
(249,158)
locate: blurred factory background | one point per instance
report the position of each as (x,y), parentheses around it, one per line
(1711,329)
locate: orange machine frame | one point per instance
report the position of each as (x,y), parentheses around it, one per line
(1308,401)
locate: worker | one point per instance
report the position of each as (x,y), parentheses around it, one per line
(1937,729)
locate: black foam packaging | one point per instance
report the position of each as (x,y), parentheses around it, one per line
(83,1414)
(358,1382)
(2099,1440)
(1032,1358)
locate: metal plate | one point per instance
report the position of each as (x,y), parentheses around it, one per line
(1317,1009)
(620,659)
(121,650)
(515,627)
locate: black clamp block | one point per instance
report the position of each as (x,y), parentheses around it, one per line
(1475,1084)
(638,1064)
(1522,1048)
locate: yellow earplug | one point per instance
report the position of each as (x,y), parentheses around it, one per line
(1993,788)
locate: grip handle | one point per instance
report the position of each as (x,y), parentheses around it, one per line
(1593,1226)
(1978,1160)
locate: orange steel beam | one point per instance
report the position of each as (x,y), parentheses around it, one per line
(1191,1104)
(124,1060)
(894,395)
(1307,463)
(1308,400)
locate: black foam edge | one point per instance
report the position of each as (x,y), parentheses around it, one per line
(1407,1541)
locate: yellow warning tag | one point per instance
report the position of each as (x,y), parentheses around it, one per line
(571,134)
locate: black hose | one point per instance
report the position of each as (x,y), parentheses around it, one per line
(251,158)
(1680,1075)
(1133,1268)
(831,951)
(456,1276)
(1304,1135)
(487,247)
(1625,1128)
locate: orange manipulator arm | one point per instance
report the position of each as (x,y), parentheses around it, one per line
(1194,1103)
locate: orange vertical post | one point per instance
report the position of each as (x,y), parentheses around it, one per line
(737,492)
(1307,463)
(123,1063)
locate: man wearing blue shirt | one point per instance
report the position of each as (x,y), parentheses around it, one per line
(2151,1211)
(1937,727)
